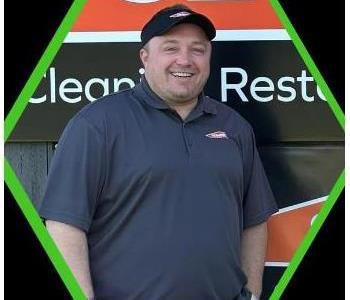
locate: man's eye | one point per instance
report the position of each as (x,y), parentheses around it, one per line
(199,50)
(170,49)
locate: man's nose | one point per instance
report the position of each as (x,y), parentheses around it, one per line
(184,58)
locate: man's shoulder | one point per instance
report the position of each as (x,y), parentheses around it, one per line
(104,112)
(108,108)
(109,104)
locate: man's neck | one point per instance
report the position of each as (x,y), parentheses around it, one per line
(184,109)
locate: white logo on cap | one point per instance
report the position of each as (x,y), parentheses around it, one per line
(180,14)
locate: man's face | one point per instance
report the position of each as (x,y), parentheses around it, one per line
(177,64)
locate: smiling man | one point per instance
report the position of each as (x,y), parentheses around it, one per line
(177,65)
(158,192)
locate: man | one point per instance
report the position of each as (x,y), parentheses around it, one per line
(158,192)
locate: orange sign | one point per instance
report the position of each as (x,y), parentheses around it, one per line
(287,230)
(131,15)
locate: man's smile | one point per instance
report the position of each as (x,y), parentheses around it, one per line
(182,74)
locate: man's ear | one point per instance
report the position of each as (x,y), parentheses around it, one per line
(144,56)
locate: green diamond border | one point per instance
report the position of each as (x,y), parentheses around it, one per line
(30,212)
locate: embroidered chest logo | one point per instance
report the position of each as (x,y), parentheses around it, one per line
(217,135)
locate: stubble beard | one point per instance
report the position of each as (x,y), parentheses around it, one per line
(188,94)
(173,96)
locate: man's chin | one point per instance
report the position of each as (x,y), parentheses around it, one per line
(183,98)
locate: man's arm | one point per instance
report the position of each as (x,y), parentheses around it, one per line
(253,252)
(72,243)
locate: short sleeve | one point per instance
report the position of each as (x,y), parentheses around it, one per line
(258,199)
(76,175)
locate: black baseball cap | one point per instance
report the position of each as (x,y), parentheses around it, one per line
(167,18)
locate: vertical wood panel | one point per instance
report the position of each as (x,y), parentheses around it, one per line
(30,163)
(50,152)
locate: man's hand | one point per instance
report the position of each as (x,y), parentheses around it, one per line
(73,245)
(254,297)
(253,252)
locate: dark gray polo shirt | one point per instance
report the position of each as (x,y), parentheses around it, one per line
(163,201)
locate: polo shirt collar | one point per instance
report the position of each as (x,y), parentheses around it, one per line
(152,99)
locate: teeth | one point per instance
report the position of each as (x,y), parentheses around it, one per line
(181,74)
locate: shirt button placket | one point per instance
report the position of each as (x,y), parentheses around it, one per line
(186,137)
